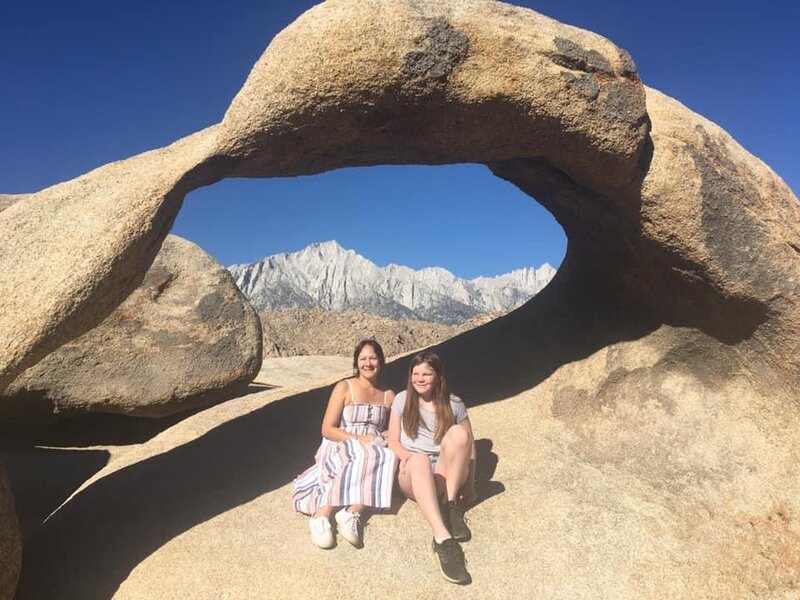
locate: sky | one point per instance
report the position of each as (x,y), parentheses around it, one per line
(86,82)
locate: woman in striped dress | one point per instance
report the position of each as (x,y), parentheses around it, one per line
(353,469)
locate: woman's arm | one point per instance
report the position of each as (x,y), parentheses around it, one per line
(389,398)
(333,416)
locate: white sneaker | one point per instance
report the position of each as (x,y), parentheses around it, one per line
(349,524)
(321,532)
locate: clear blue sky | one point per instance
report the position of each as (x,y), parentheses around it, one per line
(88,82)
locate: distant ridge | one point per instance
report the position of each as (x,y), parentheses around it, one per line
(325,275)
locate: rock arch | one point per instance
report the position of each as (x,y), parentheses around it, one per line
(676,309)
(649,193)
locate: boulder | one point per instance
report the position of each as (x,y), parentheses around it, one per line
(73,252)
(10,541)
(184,338)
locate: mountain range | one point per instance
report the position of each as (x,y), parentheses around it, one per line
(325,275)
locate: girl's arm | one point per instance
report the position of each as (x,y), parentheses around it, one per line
(333,416)
(394,437)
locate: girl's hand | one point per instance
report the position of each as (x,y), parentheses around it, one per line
(468,495)
(403,462)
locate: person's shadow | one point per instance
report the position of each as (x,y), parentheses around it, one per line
(485,466)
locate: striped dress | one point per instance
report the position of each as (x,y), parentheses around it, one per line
(349,472)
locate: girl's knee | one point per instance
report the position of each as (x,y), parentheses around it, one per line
(457,436)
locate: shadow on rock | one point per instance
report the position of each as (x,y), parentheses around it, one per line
(88,547)
(485,467)
(99,429)
(43,478)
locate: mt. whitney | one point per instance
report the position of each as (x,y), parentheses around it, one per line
(328,276)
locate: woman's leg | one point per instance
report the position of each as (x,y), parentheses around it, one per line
(453,463)
(325,511)
(416,482)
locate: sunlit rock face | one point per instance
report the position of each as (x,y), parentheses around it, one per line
(186,337)
(675,310)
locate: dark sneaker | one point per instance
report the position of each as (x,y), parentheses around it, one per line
(451,561)
(456,523)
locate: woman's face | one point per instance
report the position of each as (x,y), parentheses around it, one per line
(369,365)
(424,380)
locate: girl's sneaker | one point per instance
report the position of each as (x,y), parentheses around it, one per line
(451,561)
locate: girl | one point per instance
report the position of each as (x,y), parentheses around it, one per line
(353,469)
(430,433)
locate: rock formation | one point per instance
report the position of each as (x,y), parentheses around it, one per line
(313,331)
(681,245)
(184,338)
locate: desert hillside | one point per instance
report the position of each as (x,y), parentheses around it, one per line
(315,331)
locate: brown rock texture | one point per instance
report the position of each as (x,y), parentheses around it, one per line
(184,338)
(303,332)
(10,541)
(652,415)
(74,251)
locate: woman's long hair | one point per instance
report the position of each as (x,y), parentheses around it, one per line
(441,399)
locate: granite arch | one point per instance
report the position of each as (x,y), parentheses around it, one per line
(683,265)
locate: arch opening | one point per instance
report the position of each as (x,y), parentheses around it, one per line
(470,247)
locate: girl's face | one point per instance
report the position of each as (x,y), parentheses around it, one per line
(424,380)
(369,365)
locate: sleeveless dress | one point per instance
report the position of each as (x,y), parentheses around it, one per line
(349,472)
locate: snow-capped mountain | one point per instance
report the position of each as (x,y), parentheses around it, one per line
(328,276)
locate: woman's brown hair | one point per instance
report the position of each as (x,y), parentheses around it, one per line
(441,399)
(378,352)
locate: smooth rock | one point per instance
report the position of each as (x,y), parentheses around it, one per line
(184,338)
(73,252)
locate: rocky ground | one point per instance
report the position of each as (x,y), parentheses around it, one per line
(300,332)
(200,507)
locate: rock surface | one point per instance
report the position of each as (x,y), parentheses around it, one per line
(297,332)
(675,312)
(184,338)
(637,495)
(10,542)
(73,252)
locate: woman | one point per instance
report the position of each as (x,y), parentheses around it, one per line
(353,469)
(430,433)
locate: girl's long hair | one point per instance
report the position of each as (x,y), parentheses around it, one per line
(441,399)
